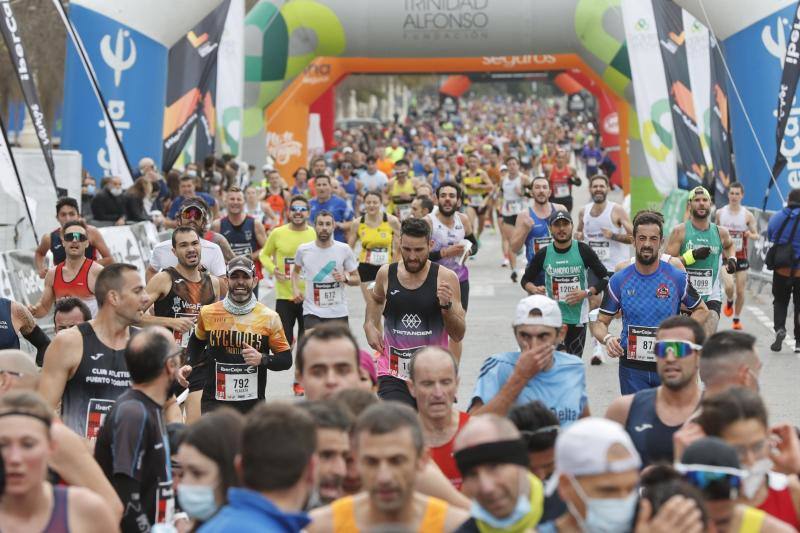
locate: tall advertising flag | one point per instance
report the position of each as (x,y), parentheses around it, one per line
(720,126)
(230,80)
(786,90)
(191,88)
(8,167)
(672,36)
(652,100)
(105,141)
(10,30)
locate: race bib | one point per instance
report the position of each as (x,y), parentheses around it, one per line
(514,207)
(236,382)
(165,503)
(288,264)
(738,239)
(562,190)
(591,162)
(602,249)
(540,243)
(400,360)
(327,294)
(183,338)
(475,200)
(701,280)
(564,285)
(241,248)
(641,343)
(404,211)
(377,256)
(96,413)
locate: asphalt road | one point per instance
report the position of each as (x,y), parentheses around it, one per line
(493,298)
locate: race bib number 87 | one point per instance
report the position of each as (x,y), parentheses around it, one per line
(641,343)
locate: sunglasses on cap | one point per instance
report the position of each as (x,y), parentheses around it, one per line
(678,349)
(540,434)
(75,236)
(192,213)
(298,209)
(716,482)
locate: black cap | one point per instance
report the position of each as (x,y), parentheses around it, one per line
(560,215)
(243,263)
(711,451)
(194,202)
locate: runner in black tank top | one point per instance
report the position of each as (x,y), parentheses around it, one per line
(184,299)
(652,438)
(100,378)
(57,248)
(245,235)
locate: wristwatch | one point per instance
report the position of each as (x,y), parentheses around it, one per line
(447,306)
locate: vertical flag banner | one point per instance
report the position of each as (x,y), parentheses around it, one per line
(672,36)
(699,66)
(191,88)
(719,126)
(650,87)
(9,27)
(113,92)
(230,80)
(786,90)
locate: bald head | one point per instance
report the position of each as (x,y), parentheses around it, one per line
(147,352)
(432,355)
(486,428)
(17,371)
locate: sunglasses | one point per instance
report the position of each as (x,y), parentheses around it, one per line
(678,349)
(192,213)
(298,209)
(75,236)
(716,482)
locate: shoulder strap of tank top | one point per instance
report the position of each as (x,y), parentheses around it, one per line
(363,219)
(87,264)
(752,520)
(392,272)
(385,217)
(59,276)
(86,330)
(344,516)
(433,274)
(59,517)
(435,515)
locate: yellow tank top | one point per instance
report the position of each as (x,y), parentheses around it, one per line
(344,516)
(752,520)
(397,190)
(376,243)
(470,183)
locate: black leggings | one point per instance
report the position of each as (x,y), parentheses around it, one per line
(574,340)
(290,313)
(464,294)
(395,389)
(784,288)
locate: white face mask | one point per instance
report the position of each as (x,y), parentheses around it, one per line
(116,191)
(755,478)
(604,515)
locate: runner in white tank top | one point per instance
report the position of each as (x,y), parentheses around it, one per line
(512,203)
(607,229)
(741,224)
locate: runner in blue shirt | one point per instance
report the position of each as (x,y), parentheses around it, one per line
(646,292)
(326,201)
(537,372)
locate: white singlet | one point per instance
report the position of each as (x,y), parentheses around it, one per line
(609,252)
(513,202)
(736,224)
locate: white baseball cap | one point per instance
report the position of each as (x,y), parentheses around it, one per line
(549,310)
(582,450)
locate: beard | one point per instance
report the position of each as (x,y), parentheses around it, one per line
(704,215)
(599,198)
(413,267)
(447,211)
(646,260)
(324,237)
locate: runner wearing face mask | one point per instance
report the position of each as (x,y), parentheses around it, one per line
(739,417)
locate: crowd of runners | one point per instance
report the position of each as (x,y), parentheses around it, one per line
(149,408)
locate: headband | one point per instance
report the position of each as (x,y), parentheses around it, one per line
(41,419)
(499,452)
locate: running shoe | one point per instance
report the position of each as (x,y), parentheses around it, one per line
(737,324)
(779,336)
(728,308)
(514,276)
(796,347)
(297,389)
(505,262)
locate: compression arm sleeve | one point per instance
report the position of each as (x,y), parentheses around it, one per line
(40,341)
(471,238)
(130,493)
(534,268)
(279,361)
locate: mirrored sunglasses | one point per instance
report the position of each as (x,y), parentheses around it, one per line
(678,349)
(75,236)
(298,209)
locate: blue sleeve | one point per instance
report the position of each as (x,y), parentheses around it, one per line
(611,305)
(489,382)
(691,298)
(584,396)
(173,209)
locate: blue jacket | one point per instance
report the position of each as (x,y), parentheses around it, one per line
(248,511)
(775,224)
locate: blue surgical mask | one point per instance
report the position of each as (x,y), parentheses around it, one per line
(520,511)
(198,501)
(605,515)
(90,189)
